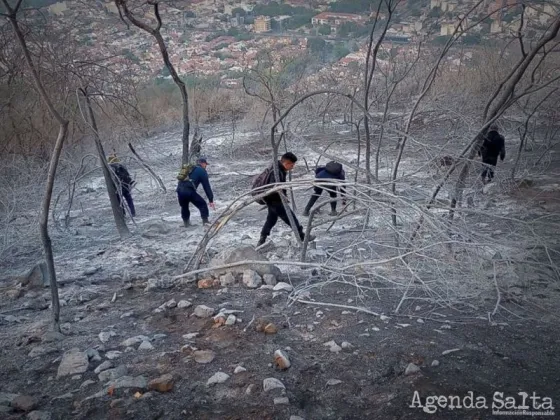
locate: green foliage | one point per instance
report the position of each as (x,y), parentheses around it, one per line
(243,36)
(471,39)
(324,30)
(435,12)
(274,8)
(299,20)
(347,28)
(340,50)
(238,11)
(316,45)
(354,6)
(220,46)
(233,31)
(442,40)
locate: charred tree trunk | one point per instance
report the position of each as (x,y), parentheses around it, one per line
(156,33)
(53,163)
(111,181)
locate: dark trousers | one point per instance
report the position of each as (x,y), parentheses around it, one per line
(187,197)
(276,210)
(489,163)
(317,191)
(128,198)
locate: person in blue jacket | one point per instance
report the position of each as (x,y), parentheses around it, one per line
(332,170)
(186,193)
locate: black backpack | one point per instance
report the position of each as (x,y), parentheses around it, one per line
(334,168)
(259,182)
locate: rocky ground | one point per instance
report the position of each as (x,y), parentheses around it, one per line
(140,343)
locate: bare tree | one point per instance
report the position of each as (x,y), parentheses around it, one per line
(12,16)
(126,13)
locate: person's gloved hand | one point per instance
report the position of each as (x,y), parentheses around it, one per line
(344,202)
(212,206)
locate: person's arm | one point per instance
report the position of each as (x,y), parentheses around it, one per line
(503,149)
(206,185)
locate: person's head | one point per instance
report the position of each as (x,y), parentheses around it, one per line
(493,127)
(202,162)
(288,161)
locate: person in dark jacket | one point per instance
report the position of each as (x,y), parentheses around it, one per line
(333,170)
(124,184)
(274,202)
(492,147)
(186,193)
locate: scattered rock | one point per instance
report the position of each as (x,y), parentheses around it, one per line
(333,347)
(346,345)
(266,327)
(251,279)
(107,364)
(217,378)
(104,336)
(435,363)
(162,384)
(203,311)
(283,287)
(333,382)
(170,304)
(269,279)
(204,356)
(112,374)
(37,277)
(250,389)
(272,383)
(24,403)
(190,336)
(411,369)
(73,362)
(205,284)
(39,415)
(129,382)
(91,271)
(127,314)
(243,253)
(184,304)
(40,351)
(239,369)
(296,418)
(145,345)
(87,383)
(163,283)
(155,228)
(281,401)
(6,398)
(443,353)
(227,280)
(132,341)
(113,354)
(281,360)
(231,319)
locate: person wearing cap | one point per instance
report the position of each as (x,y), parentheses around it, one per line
(123,183)
(186,193)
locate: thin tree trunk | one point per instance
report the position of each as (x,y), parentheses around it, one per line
(53,163)
(111,181)
(156,33)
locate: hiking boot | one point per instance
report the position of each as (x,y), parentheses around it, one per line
(187,223)
(333,213)
(306,213)
(262,240)
(206,223)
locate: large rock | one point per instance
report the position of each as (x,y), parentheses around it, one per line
(39,415)
(243,253)
(155,228)
(24,403)
(251,279)
(129,382)
(112,374)
(73,362)
(38,276)
(162,384)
